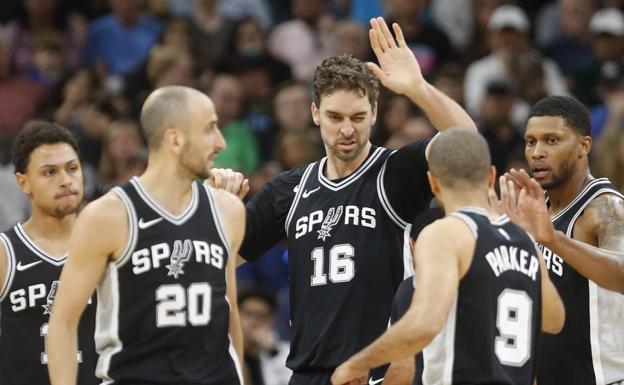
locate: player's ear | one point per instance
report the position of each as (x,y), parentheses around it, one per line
(433,182)
(585,146)
(23,183)
(315,114)
(174,140)
(374,117)
(492,177)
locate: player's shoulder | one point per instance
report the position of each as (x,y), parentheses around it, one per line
(606,208)
(286,182)
(438,232)
(108,210)
(229,204)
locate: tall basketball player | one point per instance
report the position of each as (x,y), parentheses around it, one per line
(581,234)
(482,297)
(32,254)
(346,216)
(159,250)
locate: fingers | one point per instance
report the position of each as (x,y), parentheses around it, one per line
(399,35)
(372,35)
(504,194)
(386,32)
(377,71)
(230,181)
(244,189)
(381,39)
(217,177)
(494,202)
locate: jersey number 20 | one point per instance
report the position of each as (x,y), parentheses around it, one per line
(178,305)
(513,320)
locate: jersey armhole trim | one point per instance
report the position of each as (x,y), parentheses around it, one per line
(295,202)
(578,213)
(10,269)
(469,222)
(132,227)
(383,198)
(218,220)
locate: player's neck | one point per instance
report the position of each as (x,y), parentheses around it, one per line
(50,233)
(562,195)
(456,200)
(169,187)
(336,168)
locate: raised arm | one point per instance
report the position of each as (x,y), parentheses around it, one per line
(399,71)
(233,214)
(97,235)
(603,219)
(438,270)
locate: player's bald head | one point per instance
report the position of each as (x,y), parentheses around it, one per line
(169,107)
(459,156)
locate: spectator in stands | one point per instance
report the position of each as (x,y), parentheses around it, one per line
(351,37)
(608,157)
(211,31)
(241,153)
(168,66)
(304,41)
(510,43)
(123,155)
(397,109)
(47,64)
(607,28)
(571,47)
(430,45)
(449,78)
(265,354)
(20,97)
(609,115)
(40,18)
(119,42)
(495,123)
(291,108)
(14,205)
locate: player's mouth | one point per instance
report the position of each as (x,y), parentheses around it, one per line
(347,145)
(66,194)
(540,172)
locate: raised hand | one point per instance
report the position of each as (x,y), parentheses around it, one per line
(229,180)
(398,69)
(532,206)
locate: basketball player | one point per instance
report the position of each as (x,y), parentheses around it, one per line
(32,254)
(581,234)
(346,217)
(158,248)
(482,296)
(408,371)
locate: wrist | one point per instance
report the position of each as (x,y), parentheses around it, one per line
(418,91)
(551,239)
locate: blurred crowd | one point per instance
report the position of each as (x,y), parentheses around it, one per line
(89,65)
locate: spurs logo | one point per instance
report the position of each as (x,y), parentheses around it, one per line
(50,299)
(181,254)
(332,218)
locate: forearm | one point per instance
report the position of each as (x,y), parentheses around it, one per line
(401,372)
(442,111)
(62,345)
(236,333)
(604,267)
(407,337)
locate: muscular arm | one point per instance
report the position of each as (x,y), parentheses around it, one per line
(233,213)
(98,234)
(4,265)
(443,111)
(603,220)
(401,372)
(439,267)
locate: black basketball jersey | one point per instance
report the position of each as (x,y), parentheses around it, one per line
(26,300)
(163,315)
(346,244)
(590,348)
(492,330)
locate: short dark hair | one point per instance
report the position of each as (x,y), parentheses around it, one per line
(35,134)
(574,114)
(344,72)
(259,292)
(459,156)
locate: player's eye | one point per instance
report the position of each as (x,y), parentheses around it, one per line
(553,140)
(530,142)
(358,119)
(49,172)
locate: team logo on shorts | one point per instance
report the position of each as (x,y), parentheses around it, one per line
(50,299)
(181,254)
(332,218)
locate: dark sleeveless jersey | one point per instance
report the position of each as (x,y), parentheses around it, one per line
(26,300)
(348,253)
(590,348)
(162,315)
(492,330)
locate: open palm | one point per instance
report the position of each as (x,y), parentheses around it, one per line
(398,69)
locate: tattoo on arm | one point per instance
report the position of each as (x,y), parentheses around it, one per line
(609,209)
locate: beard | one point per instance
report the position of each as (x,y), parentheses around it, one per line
(62,211)
(558,178)
(194,163)
(347,156)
